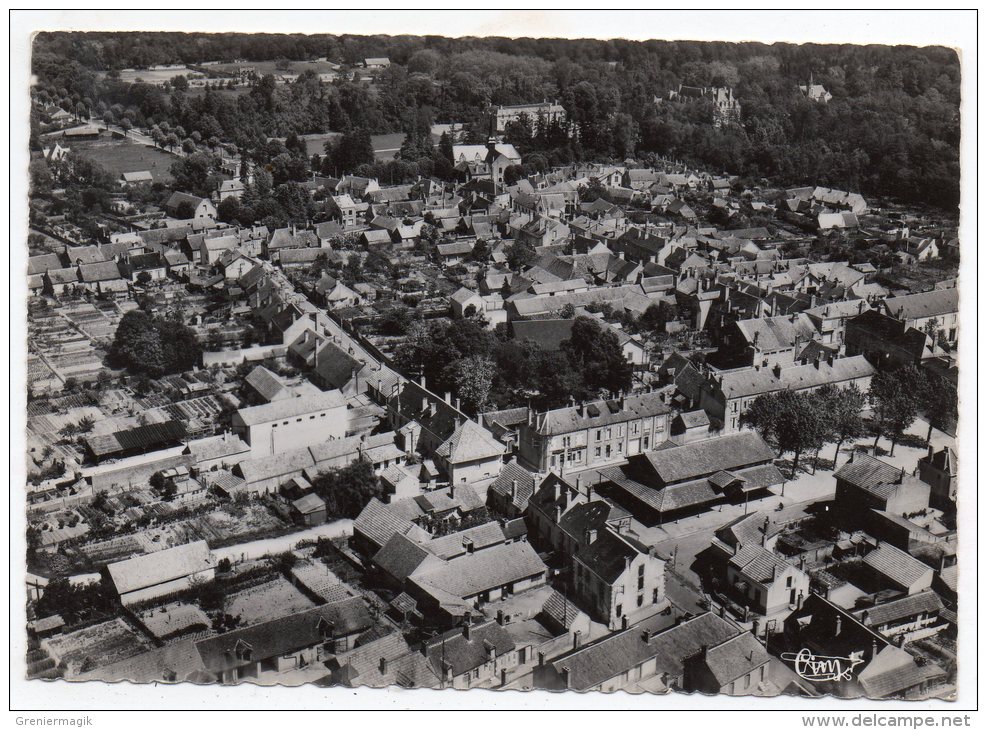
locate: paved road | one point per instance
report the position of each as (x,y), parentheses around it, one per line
(274,545)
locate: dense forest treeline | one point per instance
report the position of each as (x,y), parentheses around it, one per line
(891,128)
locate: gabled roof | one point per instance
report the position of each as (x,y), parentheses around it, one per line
(473,573)
(607,556)
(284,635)
(462,655)
(897,565)
(734,658)
(702,458)
(595,663)
(906,606)
(160,567)
(291,407)
(935,303)
(470,442)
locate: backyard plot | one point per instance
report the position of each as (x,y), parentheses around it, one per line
(94,646)
(175,620)
(266,601)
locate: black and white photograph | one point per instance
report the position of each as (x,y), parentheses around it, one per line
(495,361)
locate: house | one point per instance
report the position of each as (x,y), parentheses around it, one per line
(451,590)
(356,186)
(162,573)
(593,434)
(152,264)
(305,639)
(768,341)
(140,177)
(475,655)
(546,113)
(898,570)
(221,451)
(230,189)
(347,211)
(763,581)
(466,302)
(868,483)
(384,662)
(737,666)
(376,62)
(509,493)
(186,206)
(651,653)
(885,341)
(905,616)
(939,470)
(470,454)
(873,667)
(487,161)
(93,276)
(938,307)
(617,580)
(292,423)
(726,396)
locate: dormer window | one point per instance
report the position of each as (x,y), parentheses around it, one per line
(243,650)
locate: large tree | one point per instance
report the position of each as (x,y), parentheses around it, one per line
(790,421)
(598,355)
(842,408)
(154,346)
(347,490)
(895,395)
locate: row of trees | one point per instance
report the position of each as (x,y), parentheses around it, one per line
(798,422)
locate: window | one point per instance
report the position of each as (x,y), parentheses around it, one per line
(654,596)
(620,610)
(620,447)
(640,600)
(597,451)
(640,582)
(645,442)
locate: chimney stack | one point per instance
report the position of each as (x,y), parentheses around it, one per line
(383,665)
(577,639)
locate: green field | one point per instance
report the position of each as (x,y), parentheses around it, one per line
(122,155)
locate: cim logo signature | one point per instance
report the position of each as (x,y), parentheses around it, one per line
(823,668)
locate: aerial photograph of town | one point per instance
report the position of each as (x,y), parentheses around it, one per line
(492,363)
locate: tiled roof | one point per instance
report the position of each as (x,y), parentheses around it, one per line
(610,657)
(933,303)
(463,655)
(709,456)
(607,556)
(759,564)
(601,413)
(474,573)
(735,658)
(898,566)
(906,606)
(291,407)
(160,567)
(470,442)
(753,381)
(284,635)
(526,481)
